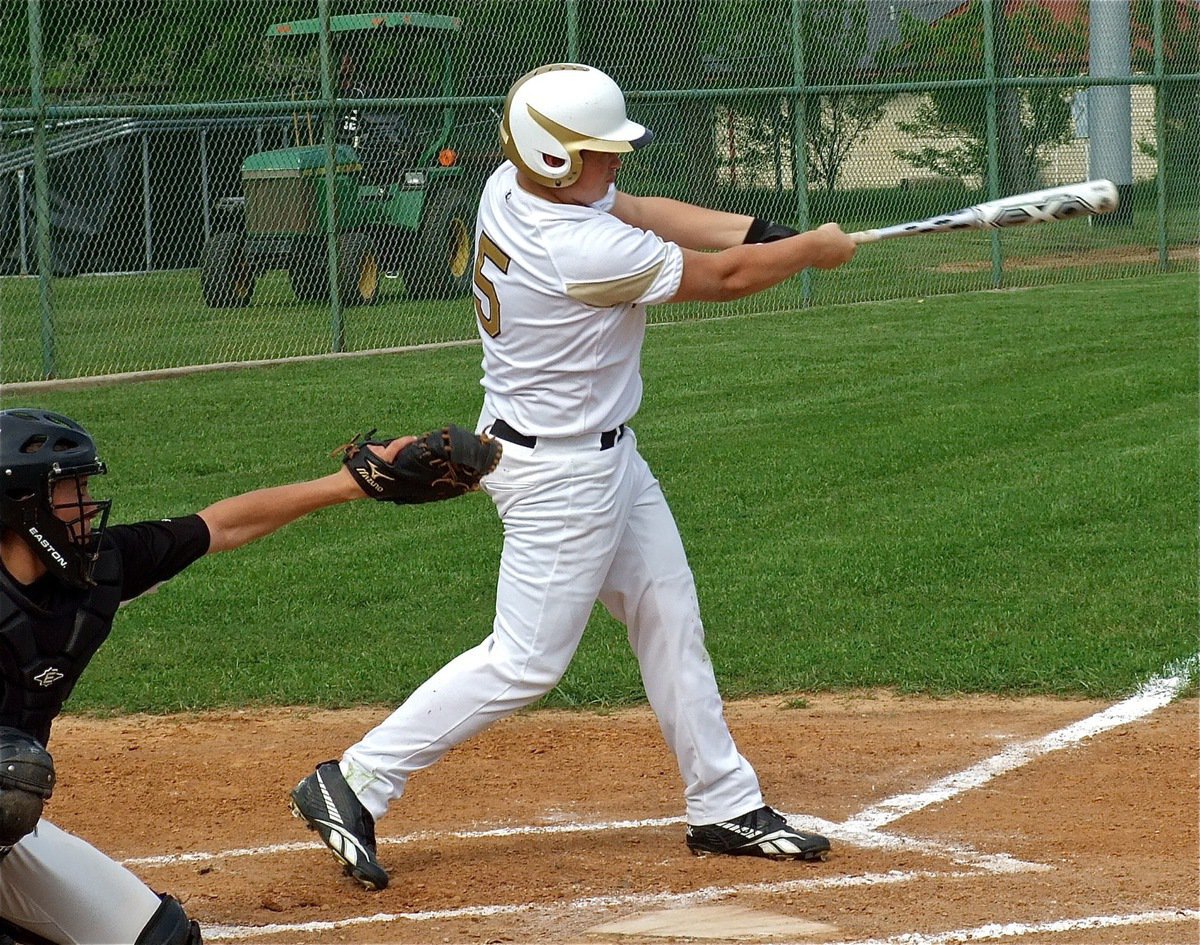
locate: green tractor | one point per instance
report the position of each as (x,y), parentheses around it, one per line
(404,200)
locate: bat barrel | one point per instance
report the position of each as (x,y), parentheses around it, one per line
(1088,198)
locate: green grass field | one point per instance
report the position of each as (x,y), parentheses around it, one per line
(988,492)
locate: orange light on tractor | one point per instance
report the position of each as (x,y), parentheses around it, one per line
(447,157)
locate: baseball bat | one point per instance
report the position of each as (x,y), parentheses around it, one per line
(1084,199)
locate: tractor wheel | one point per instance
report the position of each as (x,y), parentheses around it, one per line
(439,266)
(227,279)
(358,270)
(308,271)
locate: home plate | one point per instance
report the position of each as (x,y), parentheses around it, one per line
(715,921)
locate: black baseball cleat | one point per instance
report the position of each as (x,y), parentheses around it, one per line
(326,803)
(761,832)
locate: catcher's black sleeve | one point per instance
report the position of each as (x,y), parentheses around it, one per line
(151,552)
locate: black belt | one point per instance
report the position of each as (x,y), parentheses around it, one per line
(505,431)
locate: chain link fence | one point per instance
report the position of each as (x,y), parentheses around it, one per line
(190,182)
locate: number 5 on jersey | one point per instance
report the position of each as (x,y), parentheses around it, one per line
(489,315)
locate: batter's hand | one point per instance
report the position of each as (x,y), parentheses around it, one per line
(833,247)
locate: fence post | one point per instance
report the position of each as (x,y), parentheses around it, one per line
(993,156)
(41,189)
(799,139)
(337,329)
(572,30)
(147,211)
(22,212)
(1160,143)
(205,196)
(1109,106)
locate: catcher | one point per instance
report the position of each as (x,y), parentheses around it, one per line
(63,573)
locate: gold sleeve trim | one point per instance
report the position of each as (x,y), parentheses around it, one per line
(614,291)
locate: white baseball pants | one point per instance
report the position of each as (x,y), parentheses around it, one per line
(580,524)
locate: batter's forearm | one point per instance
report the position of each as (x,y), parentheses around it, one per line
(744,270)
(750,269)
(688,225)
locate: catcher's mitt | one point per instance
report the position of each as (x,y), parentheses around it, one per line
(440,464)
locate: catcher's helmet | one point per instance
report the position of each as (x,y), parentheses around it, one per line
(37,449)
(558,110)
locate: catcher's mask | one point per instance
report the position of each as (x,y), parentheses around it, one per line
(558,110)
(45,461)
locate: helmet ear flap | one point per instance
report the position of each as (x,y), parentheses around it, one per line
(529,145)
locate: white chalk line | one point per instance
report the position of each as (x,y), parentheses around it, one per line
(1155,694)
(983,933)
(862,829)
(640,900)
(869,839)
(959,853)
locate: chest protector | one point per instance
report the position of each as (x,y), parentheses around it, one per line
(46,645)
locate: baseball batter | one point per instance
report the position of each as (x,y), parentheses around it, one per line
(566,265)
(63,574)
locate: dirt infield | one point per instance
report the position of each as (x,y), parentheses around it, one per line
(1113,255)
(947,816)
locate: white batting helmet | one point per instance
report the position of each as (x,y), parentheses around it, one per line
(558,110)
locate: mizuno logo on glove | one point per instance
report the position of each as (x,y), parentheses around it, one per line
(440,464)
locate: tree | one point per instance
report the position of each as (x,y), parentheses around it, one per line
(148,50)
(1029,41)
(835,33)
(1180,100)
(660,44)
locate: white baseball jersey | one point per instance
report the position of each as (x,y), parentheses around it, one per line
(560,292)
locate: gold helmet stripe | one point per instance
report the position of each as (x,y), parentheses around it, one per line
(574,142)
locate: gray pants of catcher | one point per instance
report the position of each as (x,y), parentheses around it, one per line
(65,890)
